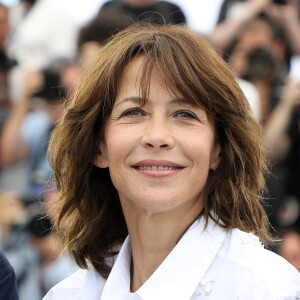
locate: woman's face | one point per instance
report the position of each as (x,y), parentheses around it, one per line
(159,155)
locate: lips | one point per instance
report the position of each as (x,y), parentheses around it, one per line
(157,168)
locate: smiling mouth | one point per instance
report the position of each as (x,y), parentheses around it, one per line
(157,168)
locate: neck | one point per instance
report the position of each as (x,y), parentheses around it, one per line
(153,236)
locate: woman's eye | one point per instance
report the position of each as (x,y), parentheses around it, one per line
(187,115)
(133,112)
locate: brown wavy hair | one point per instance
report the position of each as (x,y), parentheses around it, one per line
(89,215)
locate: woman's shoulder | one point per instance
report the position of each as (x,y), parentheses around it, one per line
(248,256)
(83,284)
(246,249)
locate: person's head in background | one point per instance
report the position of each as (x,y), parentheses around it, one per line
(43,239)
(90,39)
(258,56)
(258,50)
(92,36)
(49,93)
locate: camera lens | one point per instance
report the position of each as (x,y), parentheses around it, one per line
(279,2)
(260,62)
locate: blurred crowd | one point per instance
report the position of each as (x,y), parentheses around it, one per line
(43,48)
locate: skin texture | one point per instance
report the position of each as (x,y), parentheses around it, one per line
(166,131)
(161,130)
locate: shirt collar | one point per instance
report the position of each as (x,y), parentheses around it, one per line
(179,274)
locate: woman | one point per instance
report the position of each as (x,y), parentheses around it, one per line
(159,143)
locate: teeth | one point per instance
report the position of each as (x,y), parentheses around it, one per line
(160,168)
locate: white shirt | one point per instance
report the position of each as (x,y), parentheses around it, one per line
(252,95)
(47,32)
(205,264)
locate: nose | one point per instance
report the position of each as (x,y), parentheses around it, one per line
(157,135)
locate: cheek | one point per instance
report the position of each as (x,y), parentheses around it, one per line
(206,158)
(199,146)
(115,140)
(119,146)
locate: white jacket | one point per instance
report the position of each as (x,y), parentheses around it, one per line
(205,264)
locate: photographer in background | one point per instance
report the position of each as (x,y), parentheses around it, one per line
(52,266)
(34,251)
(259,37)
(258,55)
(236,14)
(282,137)
(26,133)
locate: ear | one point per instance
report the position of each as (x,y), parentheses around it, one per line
(101,159)
(215,157)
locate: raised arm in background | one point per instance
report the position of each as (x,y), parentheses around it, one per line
(12,148)
(288,17)
(276,127)
(225,33)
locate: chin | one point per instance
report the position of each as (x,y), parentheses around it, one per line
(159,203)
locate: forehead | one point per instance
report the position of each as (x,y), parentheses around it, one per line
(135,72)
(141,79)
(132,71)
(258,28)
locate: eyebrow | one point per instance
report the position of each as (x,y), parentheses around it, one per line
(181,101)
(138,100)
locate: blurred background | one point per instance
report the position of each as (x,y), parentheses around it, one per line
(43,46)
